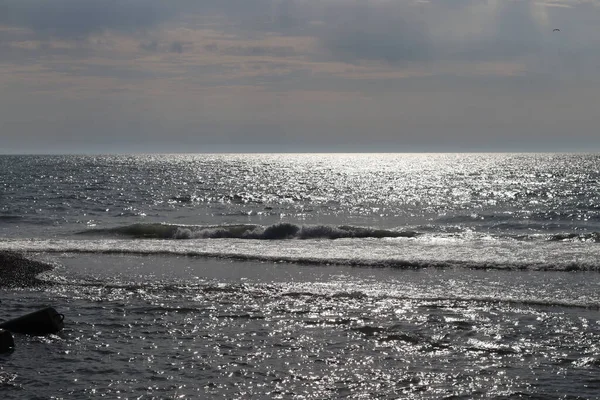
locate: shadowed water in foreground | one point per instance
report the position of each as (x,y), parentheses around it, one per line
(187,327)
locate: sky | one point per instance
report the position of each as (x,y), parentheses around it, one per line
(120,76)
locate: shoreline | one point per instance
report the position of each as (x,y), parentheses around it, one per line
(16,270)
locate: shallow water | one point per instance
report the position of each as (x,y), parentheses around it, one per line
(167,327)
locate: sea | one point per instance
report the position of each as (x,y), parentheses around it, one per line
(306,276)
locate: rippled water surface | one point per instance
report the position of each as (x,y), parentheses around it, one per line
(487,191)
(223,329)
(423,276)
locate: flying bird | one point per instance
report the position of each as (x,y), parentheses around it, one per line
(556,30)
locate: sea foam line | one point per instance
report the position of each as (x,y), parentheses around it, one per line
(414,258)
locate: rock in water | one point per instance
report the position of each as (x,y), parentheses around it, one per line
(42,322)
(6,341)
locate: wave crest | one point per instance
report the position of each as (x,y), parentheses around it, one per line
(279,231)
(593,237)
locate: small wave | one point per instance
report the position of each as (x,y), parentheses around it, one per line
(240,316)
(429,302)
(150,231)
(28,219)
(273,232)
(10,218)
(593,237)
(474,217)
(185,198)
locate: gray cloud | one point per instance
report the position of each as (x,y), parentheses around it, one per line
(149,46)
(176,47)
(396,33)
(403,32)
(362,33)
(494,75)
(272,51)
(391,32)
(513,32)
(79,18)
(172,47)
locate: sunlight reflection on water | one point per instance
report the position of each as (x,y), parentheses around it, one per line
(324,333)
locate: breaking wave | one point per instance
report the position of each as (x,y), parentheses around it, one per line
(286,231)
(272,232)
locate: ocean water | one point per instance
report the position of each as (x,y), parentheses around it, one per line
(411,276)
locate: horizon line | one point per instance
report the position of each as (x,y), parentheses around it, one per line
(295,152)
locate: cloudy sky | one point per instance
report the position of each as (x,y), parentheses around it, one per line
(98,76)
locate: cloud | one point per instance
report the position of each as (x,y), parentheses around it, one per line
(154,46)
(406,32)
(511,30)
(252,50)
(176,47)
(150,46)
(389,33)
(392,32)
(80,18)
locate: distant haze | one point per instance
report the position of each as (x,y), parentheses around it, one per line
(118,76)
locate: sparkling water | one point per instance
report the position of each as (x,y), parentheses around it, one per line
(306,276)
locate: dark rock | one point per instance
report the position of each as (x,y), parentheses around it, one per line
(18,271)
(6,341)
(42,322)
